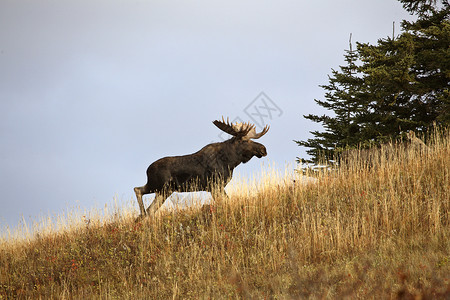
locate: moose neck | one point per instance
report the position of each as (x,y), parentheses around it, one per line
(231,153)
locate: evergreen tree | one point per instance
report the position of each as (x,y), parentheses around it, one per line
(340,96)
(431,70)
(399,84)
(386,84)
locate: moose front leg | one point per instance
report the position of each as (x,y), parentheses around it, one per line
(221,192)
(157,202)
(218,192)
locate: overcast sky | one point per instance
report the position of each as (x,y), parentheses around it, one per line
(92,92)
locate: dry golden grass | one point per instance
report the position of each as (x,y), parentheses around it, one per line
(358,232)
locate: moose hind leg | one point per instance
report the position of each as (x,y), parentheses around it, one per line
(140,191)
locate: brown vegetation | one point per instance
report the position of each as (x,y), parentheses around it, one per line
(359,232)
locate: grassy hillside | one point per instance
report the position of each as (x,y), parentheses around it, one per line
(358,232)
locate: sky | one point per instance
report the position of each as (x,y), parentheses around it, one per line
(92,92)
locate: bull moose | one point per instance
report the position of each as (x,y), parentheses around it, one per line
(202,170)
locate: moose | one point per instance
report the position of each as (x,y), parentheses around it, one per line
(211,167)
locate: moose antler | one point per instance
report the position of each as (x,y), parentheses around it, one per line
(237,130)
(244,130)
(253,135)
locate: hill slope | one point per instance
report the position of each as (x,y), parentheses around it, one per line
(360,232)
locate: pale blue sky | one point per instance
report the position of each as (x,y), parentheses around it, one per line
(92,92)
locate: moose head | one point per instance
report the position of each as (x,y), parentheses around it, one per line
(242,143)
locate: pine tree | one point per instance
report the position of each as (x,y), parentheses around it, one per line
(340,97)
(399,84)
(408,77)
(431,70)
(386,83)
